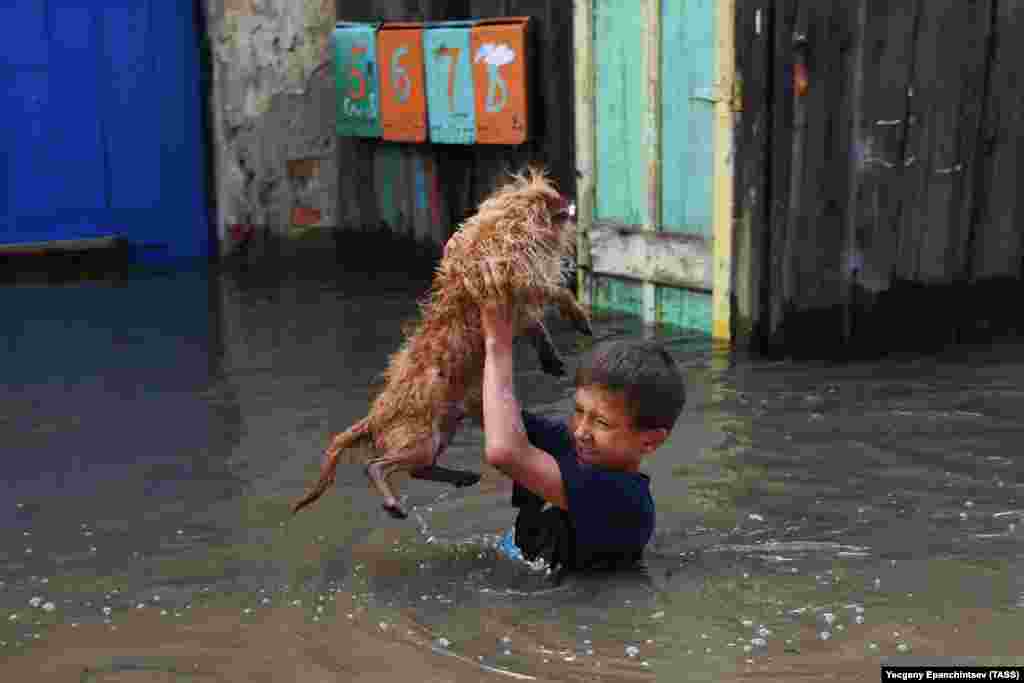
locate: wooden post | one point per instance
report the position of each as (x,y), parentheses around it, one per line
(586,143)
(652,141)
(856,161)
(725,69)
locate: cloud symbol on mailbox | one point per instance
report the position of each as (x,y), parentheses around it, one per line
(495,54)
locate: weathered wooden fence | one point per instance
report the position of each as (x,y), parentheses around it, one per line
(876,172)
(424,190)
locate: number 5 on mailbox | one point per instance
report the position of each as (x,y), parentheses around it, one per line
(355,52)
(403,105)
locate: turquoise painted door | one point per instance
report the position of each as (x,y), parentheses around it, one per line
(676,257)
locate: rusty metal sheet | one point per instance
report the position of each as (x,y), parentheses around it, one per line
(403,104)
(355,50)
(450,98)
(501,77)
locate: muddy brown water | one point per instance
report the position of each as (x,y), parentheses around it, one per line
(812,519)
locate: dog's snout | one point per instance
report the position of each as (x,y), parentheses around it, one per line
(566,211)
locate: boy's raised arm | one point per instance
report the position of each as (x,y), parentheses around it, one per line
(507,447)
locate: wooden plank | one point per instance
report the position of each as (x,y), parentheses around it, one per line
(859,36)
(821,152)
(688,115)
(617,295)
(968,173)
(684,308)
(651,137)
(782,140)
(650,133)
(753,179)
(724,171)
(386,175)
(959,39)
(996,249)
(890,35)
(58,246)
(555,67)
(586,141)
(620,101)
(933,152)
(675,259)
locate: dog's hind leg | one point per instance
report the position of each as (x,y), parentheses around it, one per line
(346,439)
(445,433)
(381,469)
(550,360)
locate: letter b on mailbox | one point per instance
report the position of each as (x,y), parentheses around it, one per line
(501,77)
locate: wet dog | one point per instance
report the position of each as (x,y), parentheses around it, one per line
(526,230)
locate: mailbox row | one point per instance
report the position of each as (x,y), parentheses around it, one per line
(463,82)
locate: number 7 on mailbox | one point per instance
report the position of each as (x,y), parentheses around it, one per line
(450,86)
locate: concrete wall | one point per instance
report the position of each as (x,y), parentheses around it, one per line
(272,118)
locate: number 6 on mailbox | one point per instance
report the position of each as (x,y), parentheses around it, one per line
(403,105)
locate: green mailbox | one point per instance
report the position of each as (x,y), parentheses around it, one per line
(355,57)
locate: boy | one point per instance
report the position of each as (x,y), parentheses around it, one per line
(628,397)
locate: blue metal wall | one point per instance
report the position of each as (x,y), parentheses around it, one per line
(101,124)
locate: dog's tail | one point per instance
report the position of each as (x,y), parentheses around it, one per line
(355,434)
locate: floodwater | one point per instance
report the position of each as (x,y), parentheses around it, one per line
(812,519)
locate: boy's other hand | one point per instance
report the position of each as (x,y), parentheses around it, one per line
(496,314)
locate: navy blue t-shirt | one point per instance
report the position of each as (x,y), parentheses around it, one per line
(611,512)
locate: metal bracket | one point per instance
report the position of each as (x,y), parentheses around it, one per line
(709,94)
(715,94)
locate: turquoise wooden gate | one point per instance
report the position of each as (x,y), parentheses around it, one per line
(102,125)
(647,97)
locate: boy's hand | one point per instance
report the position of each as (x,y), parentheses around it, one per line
(496,315)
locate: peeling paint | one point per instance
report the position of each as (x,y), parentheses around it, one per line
(272,106)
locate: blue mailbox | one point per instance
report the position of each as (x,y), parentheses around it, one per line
(450,95)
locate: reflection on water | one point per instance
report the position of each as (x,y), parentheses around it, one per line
(156,429)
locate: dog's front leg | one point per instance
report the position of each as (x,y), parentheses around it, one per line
(570,309)
(550,360)
(444,432)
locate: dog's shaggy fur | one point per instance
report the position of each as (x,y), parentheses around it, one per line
(435,379)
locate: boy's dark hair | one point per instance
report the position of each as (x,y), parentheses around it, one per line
(643,371)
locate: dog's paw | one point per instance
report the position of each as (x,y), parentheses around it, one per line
(553,365)
(467,479)
(583,326)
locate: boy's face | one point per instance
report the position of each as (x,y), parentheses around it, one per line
(604,433)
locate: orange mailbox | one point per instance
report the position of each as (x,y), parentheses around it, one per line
(500,50)
(403,99)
